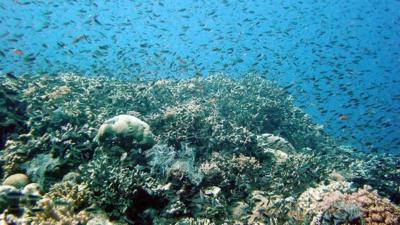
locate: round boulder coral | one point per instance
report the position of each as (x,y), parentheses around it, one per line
(126,131)
(31,189)
(18,180)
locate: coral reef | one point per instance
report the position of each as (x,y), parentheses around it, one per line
(234,174)
(50,213)
(269,209)
(120,188)
(374,210)
(337,203)
(220,150)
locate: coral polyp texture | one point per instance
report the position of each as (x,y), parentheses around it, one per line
(202,150)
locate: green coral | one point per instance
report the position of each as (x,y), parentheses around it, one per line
(114,185)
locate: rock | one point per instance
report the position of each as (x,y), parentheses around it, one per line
(274,142)
(31,189)
(18,180)
(127,131)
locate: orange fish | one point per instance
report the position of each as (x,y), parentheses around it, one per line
(343,117)
(18,52)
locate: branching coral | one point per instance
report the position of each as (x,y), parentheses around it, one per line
(63,205)
(195,221)
(268,209)
(292,176)
(336,203)
(234,174)
(309,202)
(374,209)
(77,195)
(52,214)
(113,185)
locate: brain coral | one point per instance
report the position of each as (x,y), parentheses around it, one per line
(128,130)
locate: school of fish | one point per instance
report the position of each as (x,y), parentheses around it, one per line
(340,59)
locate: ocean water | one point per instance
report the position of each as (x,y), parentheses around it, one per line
(338,60)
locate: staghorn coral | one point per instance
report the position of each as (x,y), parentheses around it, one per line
(61,215)
(378,171)
(295,174)
(202,111)
(57,93)
(210,203)
(31,208)
(77,195)
(234,174)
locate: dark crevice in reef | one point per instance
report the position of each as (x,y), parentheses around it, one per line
(143,207)
(12,113)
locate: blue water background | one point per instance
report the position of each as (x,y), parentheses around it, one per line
(338,57)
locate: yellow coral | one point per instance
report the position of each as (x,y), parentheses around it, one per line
(60,215)
(75,194)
